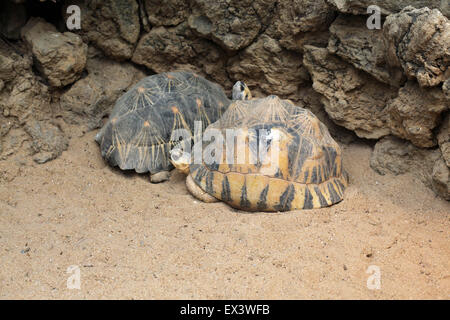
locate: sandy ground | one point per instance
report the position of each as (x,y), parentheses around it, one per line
(133,239)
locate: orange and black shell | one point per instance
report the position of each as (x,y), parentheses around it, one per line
(138,133)
(306,174)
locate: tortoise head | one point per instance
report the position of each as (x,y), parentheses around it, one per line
(241,91)
(180,159)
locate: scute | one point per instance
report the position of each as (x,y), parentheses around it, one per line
(138,132)
(307,175)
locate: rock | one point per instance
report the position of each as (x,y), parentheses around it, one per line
(111,25)
(273,64)
(312,101)
(17,94)
(418,40)
(59,57)
(167,49)
(232,24)
(48,140)
(387,6)
(363,48)
(416,112)
(12,63)
(92,98)
(84,104)
(23,94)
(25,99)
(315,38)
(7,70)
(443,138)
(28,98)
(396,156)
(26,111)
(441,179)
(14,142)
(167,12)
(446,89)
(5,126)
(299,22)
(13,17)
(266,66)
(351,97)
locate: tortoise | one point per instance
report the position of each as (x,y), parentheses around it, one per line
(138,134)
(296,163)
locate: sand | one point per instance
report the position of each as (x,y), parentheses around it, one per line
(131,239)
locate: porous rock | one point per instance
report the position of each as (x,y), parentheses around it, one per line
(93,97)
(444,139)
(312,101)
(232,24)
(175,48)
(441,179)
(446,89)
(26,111)
(416,112)
(396,156)
(111,25)
(418,40)
(299,22)
(267,66)
(166,12)
(351,97)
(365,49)
(48,141)
(60,57)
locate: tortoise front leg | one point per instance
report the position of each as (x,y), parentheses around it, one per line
(159,177)
(197,192)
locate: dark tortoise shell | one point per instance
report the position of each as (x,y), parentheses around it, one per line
(138,133)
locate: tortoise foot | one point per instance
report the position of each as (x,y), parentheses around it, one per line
(159,177)
(197,192)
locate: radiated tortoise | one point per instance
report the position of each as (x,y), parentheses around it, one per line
(291,162)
